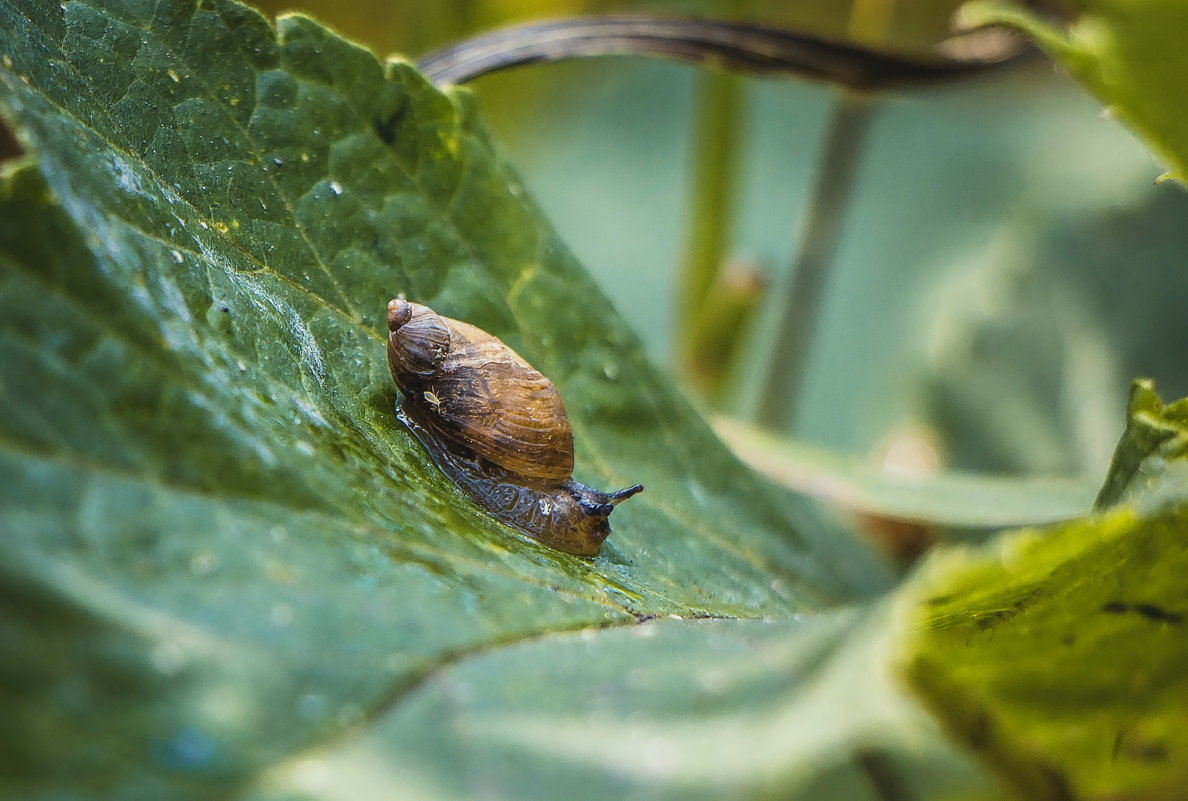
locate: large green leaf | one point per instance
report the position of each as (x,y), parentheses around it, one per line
(220,546)
(803,708)
(1059,656)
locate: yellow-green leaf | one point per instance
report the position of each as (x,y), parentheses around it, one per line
(1059,656)
(1129,53)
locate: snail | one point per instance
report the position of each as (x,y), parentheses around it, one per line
(496,427)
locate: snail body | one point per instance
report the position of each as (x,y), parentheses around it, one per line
(496,427)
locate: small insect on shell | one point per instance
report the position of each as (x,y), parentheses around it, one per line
(496,427)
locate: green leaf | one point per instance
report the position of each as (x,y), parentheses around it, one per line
(1149,462)
(224,548)
(1059,656)
(1028,378)
(948,498)
(1130,55)
(796,708)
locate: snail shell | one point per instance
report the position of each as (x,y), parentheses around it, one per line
(496,426)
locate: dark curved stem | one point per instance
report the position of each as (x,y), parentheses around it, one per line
(732,45)
(819,236)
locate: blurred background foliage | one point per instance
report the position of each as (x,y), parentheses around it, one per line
(1005,264)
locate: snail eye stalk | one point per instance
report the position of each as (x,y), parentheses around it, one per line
(618,497)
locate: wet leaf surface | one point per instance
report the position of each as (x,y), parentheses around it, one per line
(223,545)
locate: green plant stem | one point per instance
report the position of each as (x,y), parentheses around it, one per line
(712,195)
(715,160)
(819,237)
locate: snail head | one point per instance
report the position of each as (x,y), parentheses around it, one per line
(591,526)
